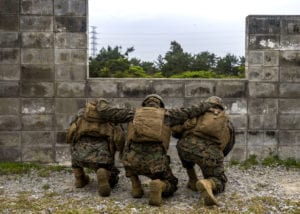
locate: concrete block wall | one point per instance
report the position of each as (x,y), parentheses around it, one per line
(43,82)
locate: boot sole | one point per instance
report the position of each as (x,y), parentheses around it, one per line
(209,199)
(104,187)
(155,194)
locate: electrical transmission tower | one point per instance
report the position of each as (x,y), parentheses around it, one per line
(93,41)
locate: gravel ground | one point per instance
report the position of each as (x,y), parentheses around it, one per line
(256,190)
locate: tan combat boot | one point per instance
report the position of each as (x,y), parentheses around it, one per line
(81,179)
(156,187)
(192,179)
(103,176)
(206,187)
(137,190)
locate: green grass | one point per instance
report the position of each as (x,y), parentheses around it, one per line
(8,168)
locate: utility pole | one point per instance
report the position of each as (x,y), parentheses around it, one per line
(93,41)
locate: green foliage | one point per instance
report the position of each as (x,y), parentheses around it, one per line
(248,163)
(7,168)
(199,74)
(176,63)
(274,160)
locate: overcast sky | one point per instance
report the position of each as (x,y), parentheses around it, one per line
(217,26)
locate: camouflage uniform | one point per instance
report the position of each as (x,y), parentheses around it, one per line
(89,149)
(150,159)
(206,153)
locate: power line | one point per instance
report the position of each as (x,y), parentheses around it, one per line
(93,38)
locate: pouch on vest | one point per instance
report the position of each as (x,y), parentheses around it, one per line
(148,126)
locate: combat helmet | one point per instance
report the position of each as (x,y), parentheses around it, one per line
(216,100)
(162,105)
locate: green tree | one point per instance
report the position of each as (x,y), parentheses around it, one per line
(175,61)
(228,65)
(109,61)
(204,61)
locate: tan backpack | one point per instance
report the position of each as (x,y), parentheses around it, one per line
(148,126)
(213,125)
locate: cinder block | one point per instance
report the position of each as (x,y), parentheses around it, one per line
(71,40)
(9,22)
(10,123)
(289,90)
(289,58)
(271,58)
(70,24)
(70,89)
(71,72)
(286,152)
(37,56)
(9,6)
(263,24)
(10,139)
(37,72)
(37,40)
(257,42)
(239,121)
(262,106)
(290,25)
(231,89)
(36,122)
(238,153)
(69,105)
(38,154)
(70,8)
(255,58)
(9,106)
(289,138)
(9,89)
(70,57)
(10,154)
(36,23)
(37,139)
(289,106)
(130,89)
(265,121)
(9,56)
(38,89)
(260,73)
(9,72)
(237,106)
(263,89)
(9,40)
(37,106)
(289,74)
(61,138)
(169,88)
(290,42)
(289,121)
(200,88)
(37,7)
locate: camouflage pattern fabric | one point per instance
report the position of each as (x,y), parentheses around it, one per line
(91,152)
(149,159)
(207,155)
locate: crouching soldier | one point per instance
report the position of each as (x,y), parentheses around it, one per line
(93,145)
(205,141)
(148,138)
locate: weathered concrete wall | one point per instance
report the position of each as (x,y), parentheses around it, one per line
(43,82)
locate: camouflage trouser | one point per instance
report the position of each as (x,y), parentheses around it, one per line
(150,159)
(92,152)
(207,155)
